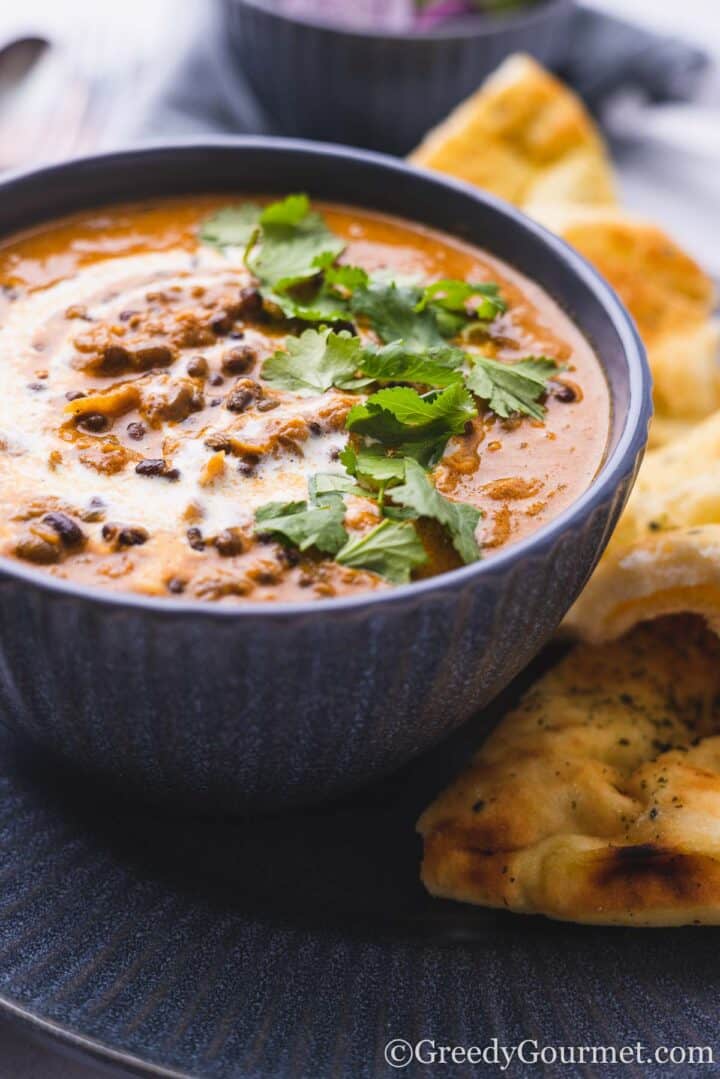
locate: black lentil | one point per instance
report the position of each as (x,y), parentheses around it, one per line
(94,422)
(238,360)
(565,393)
(195,538)
(132,537)
(197,367)
(155,466)
(250,302)
(69,531)
(229,542)
(136,430)
(243,393)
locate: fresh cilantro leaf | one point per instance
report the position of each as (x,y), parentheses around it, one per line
(390,310)
(395,362)
(391,549)
(305,526)
(288,211)
(318,360)
(379,467)
(329,300)
(512,387)
(323,484)
(313,362)
(453,295)
(424,318)
(345,277)
(286,242)
(373,466)
(232,226)
(323,306)
(400,415)
(291,240)
(348,457)
(420,495)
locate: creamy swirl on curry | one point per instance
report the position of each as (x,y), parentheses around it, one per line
(272,401)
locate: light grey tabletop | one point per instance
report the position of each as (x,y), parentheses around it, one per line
(677,189)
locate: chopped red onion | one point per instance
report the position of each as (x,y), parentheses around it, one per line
(390,15)
(438,11)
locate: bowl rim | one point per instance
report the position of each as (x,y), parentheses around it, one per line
(463,27)
(619,462)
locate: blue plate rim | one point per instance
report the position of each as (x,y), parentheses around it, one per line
(25,1020)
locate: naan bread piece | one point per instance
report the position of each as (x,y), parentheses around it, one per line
(686,379)
(525,137)
(670,298)
(664,556)
(598,798)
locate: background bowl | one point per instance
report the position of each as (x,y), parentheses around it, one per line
(262,706)
(382,91)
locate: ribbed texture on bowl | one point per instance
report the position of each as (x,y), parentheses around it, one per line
(380,92)
(261,707)
(258,713)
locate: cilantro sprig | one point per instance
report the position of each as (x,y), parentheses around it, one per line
(313,362)
(417,425)
(373,467)
(420,495)
(509,388)
(390,310)
(437,366)
(318,359)
(392,549)
(284,243)
(291,251)
(424,318)
(406,484)
(319,524)
(460,296)
(425,387)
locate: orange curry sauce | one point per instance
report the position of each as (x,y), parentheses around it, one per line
(156,341)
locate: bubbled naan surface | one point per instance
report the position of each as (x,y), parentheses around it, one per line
(664,556)
(524,136)
(598,798)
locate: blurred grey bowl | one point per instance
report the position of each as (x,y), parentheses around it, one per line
(382,91)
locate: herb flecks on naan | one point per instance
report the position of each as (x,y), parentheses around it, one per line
(598,798)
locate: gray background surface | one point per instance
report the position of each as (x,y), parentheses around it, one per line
(676,187)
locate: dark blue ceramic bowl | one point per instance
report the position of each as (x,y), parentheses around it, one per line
(383,91)
(265,706)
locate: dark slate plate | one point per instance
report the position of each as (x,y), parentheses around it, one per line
(299,946)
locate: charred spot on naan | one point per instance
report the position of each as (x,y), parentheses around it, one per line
(597,799)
